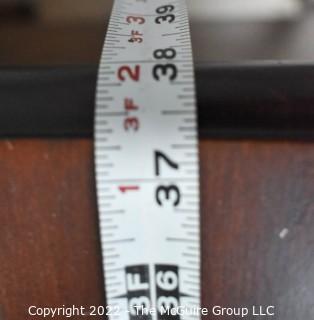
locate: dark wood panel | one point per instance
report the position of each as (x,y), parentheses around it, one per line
(51,44)
(50,252)
(251,191)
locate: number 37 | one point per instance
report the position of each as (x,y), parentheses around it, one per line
(166,193)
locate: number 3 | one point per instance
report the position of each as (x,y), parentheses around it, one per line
(168,191)
(169,18)
(163,70)
(139,20)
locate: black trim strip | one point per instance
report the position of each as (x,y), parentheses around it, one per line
(272,100)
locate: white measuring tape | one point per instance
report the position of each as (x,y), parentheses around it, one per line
(147,162)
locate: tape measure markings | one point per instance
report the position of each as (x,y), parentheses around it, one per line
(147,180)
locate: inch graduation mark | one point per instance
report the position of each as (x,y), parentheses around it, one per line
(141,141)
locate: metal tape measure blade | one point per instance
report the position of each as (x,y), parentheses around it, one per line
(146,151)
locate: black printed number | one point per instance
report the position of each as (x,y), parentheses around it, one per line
(168,53)
(169,18)
(166,70)
(165,9)
(166,15)
(169,193)
(161,156)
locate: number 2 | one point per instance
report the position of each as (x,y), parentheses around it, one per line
(125,71)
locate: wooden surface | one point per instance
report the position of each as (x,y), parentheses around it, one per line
(80,42)
(251,191)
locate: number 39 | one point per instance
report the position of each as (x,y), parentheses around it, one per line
(166,18)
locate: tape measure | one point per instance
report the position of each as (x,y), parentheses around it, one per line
(147,171)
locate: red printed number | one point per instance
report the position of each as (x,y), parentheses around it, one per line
(138,20)
(125,189)
(126,71)
(129,105)
(131,123)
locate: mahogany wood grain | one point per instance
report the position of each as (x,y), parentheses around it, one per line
(251,191)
